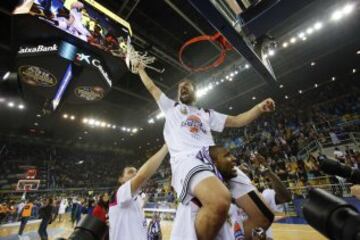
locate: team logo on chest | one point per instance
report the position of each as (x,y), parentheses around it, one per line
(194,124)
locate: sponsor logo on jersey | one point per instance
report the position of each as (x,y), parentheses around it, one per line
(194,124)
(238,231)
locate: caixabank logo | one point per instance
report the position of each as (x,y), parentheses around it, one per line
(29,50)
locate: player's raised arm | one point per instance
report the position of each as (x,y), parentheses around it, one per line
(268,105)
(149,84)
(148,169)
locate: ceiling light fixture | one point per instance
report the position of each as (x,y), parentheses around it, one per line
(6,75)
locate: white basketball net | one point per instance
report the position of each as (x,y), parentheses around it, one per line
(135,60)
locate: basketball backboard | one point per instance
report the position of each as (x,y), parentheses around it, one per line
(26,185)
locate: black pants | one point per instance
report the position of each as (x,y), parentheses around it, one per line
(23,222)
(42,229)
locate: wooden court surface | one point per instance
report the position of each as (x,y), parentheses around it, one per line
(280,231)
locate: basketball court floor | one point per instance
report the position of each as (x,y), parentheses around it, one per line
(56,230)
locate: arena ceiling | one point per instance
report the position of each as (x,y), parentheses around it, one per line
(161,27)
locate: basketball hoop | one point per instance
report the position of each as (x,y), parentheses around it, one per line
(218,39)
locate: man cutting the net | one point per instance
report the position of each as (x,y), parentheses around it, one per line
(187,133)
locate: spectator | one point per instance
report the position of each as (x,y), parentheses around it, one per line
(339,155)
(154,228)
(62,208)
(102,208)
(25,215)
(46,215)
(19,208)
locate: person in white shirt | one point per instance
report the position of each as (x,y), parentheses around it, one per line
(247,212)
(187,133)
(126,217)
(62,208)
(275,196)
(339,155)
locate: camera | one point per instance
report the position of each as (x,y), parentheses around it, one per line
(89,228)
(333,167)
(331,216)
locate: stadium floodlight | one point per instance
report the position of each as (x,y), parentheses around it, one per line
(348,8)
(337,15)
(310,30)
(318,25)
(301,35)
(160,115)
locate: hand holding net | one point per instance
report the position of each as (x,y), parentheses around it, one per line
(136,60)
